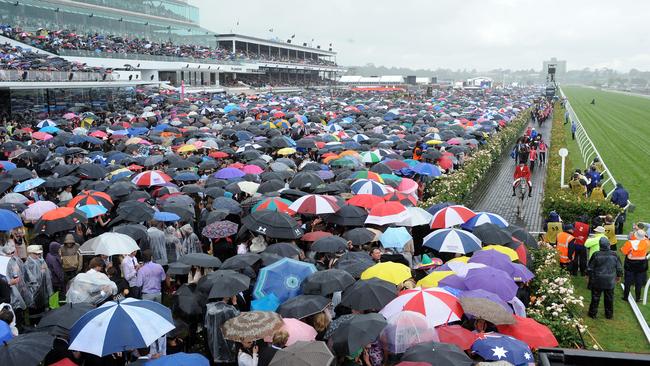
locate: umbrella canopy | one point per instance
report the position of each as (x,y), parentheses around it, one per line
(180,359)
(499,347)
(298,331)
(492,234)
(9,220)
(534,334)
(437,305)
(28,185)
(416,216)
(151,178)
(91,198)
(451,216)
(372,294)
(120,326)
(273,224)
(313,353)
(452,241)
(387,213)
(357,332)
(486,309)
(348,216)
(302,306)
(406,329)
(282,278)
(225,283)
(201,260)
(485,218)
(220,229)
(395,273)
(327,282)
(110,244)
(60,219)
(27,349)
(314,204)
(492,280)
(273,204)
(437,354)
(329,244)
(456,334)
(65,316)
(251,326)
(395,237)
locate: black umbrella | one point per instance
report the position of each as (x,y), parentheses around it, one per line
(273,224)
(135,211)
(435,353)
(287,250)
(201,260)
(187,301)
(272,185)
(491,234)
(359,236)
(178,268)
(60,182)
(6,184)
(121,189)
(327,282)
(137,232)
(306,180)
(91,171)
(228,204)
(26,350)
(357,332)
(65,316)
(372,294)
(523,235)
(302,306)
(224,283)
(20,174)
(330,244)
(348,216)
(241,261)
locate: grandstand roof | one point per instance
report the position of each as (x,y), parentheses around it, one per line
(272,43)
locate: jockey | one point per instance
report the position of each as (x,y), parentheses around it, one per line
(522,171)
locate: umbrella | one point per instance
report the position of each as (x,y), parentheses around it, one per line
(405,329)
(452,241)
(14,198)
(273,204)
(283,250)
(28,185)
(531,332)
(220,229)
(492,280)
(229,173)
(227,204)
(329,244)
(436,304)
(302,306)
(395,237)
(120,326)
(395,273)
(485,218)
(110,244)
(451,216)
(151,178)
(523,235)
(357,332)
(327,282)
(241,261)
(180,359)
(486,309)
(65,316)
(368,186)
(9,220)
(372,294)
(298,331)
(416,217)
(135,211)
(60,219)
(92,210)
(91,198)
(251,326)
(347,216)
(433,279)
(354,267)
(367,201)
(201,260)
(273,224)
(456,334)
(314,204)
(439,354)
(226,283)
(186,301)
(387,213)
(511,254)
(26,349)
(282,278)
(163,216)
(499,347)
(178,268)
(313,353)
(359,236)
(492,234)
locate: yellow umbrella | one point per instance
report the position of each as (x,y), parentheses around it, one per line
(118,171)
(287,151)
(395,273)
(432,279)
(269,124)
(133,140)
(349,153)
(434,142)
(186,148)
(462,259)
(505,250)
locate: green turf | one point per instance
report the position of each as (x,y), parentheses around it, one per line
(619,125)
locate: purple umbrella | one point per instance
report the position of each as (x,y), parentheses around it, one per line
(520,273)
(325,174)
(229,173)
(482,294)
(492,280)
(493,259)
(220,229)
(454,281)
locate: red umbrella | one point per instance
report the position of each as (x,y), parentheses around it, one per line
(445,163)
(455,334)
(387,213)
(315,235)
(396,164)
(451,216)
(92,198)
(367,201)
(60,219)
(218,155)
(151,178)
(527,330)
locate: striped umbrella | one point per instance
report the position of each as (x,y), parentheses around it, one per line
(60,219)
(485,218)
(451,216)
(120,326)
(371,157)
(436,304)
(274,204)
(91,198)
(387,213)
(452,241)
(151,178)
(366,174)
(315,204)
(368,186)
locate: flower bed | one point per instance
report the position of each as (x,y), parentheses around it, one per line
(563,201)
(554,302)
(457,186)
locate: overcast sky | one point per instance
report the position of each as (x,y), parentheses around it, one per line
(456,34)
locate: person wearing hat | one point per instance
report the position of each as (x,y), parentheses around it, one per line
(592,243)
(38,279)
(71,259)
(604,270)
(635,264)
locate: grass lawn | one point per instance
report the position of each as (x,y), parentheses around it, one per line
(618,124)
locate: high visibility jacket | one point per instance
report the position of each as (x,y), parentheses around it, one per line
(417,153)
(576,187)
(635,249)
(610,233)
(552,230)
(563,240)
(597,194)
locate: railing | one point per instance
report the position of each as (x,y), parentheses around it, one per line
(39,75)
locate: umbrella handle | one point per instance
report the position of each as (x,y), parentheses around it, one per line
(449,317)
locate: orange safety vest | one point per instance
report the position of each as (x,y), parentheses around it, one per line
(563,240)
(635,249)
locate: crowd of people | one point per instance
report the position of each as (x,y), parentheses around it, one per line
(23,59)
(260,221)
(60,40)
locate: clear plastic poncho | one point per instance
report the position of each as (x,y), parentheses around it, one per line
(92,287)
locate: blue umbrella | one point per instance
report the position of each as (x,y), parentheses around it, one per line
(93,210)
(395,237)
(49,129)
(231,107)
(439,206)
(484,218)
(7,165)
(28,185)
(5,332)
(9,220)
(181,359)
(163,216)
(427,169)
(499,347)
(282,278)
(452,241)
(269,302)
(368,186)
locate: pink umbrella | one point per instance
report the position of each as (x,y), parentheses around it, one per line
(298,331)
(41,136)
(407,186)
(252,169)
(38,209)
(69,115)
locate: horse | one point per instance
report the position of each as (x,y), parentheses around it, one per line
(520,191)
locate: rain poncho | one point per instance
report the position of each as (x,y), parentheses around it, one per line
(191,241)
(157,241)
(21,298)
(92,286)
(222,350)
(173,244)
(39,281)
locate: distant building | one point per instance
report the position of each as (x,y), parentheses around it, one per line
(478,82)
(560,67)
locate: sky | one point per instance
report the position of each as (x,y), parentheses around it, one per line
(455,34)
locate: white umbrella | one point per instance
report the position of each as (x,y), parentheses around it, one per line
(416,216)
(110,244)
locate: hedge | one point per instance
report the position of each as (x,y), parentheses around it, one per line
(569,206)
(457,186)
